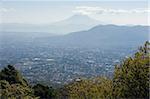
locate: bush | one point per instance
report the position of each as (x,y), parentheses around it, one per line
(44,92)
(11,75)
(131,78)
(97,88)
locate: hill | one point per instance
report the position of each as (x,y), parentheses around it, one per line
(70,24)
(103,36)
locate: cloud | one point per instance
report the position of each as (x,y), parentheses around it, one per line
(88,10)
(4,10)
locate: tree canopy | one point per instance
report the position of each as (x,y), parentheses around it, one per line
(131,77)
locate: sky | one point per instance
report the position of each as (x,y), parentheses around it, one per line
(49,11)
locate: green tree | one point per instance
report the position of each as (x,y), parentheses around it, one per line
(13,85)
(45,92)
(96,88)
(131,78)
(11,75)
(15,91)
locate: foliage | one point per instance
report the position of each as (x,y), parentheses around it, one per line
(97,88)
(11,75)
(131,78)
(16,91)
(13,86)
(44,92)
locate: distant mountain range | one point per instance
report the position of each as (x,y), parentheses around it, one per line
(103,36)
(71,24)
(82,31)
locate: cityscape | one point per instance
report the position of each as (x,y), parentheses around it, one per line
(62,65)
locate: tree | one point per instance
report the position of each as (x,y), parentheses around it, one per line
(11,75)
(131,78)
(96,88)
(15,91)
(13,85)
(44,92)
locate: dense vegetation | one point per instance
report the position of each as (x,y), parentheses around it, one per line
(130,80)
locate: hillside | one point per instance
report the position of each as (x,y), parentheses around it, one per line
(103,36)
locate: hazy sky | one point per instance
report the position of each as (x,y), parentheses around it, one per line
(48,11)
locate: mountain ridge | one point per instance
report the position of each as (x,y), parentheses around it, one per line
(70,24)
(106,35)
